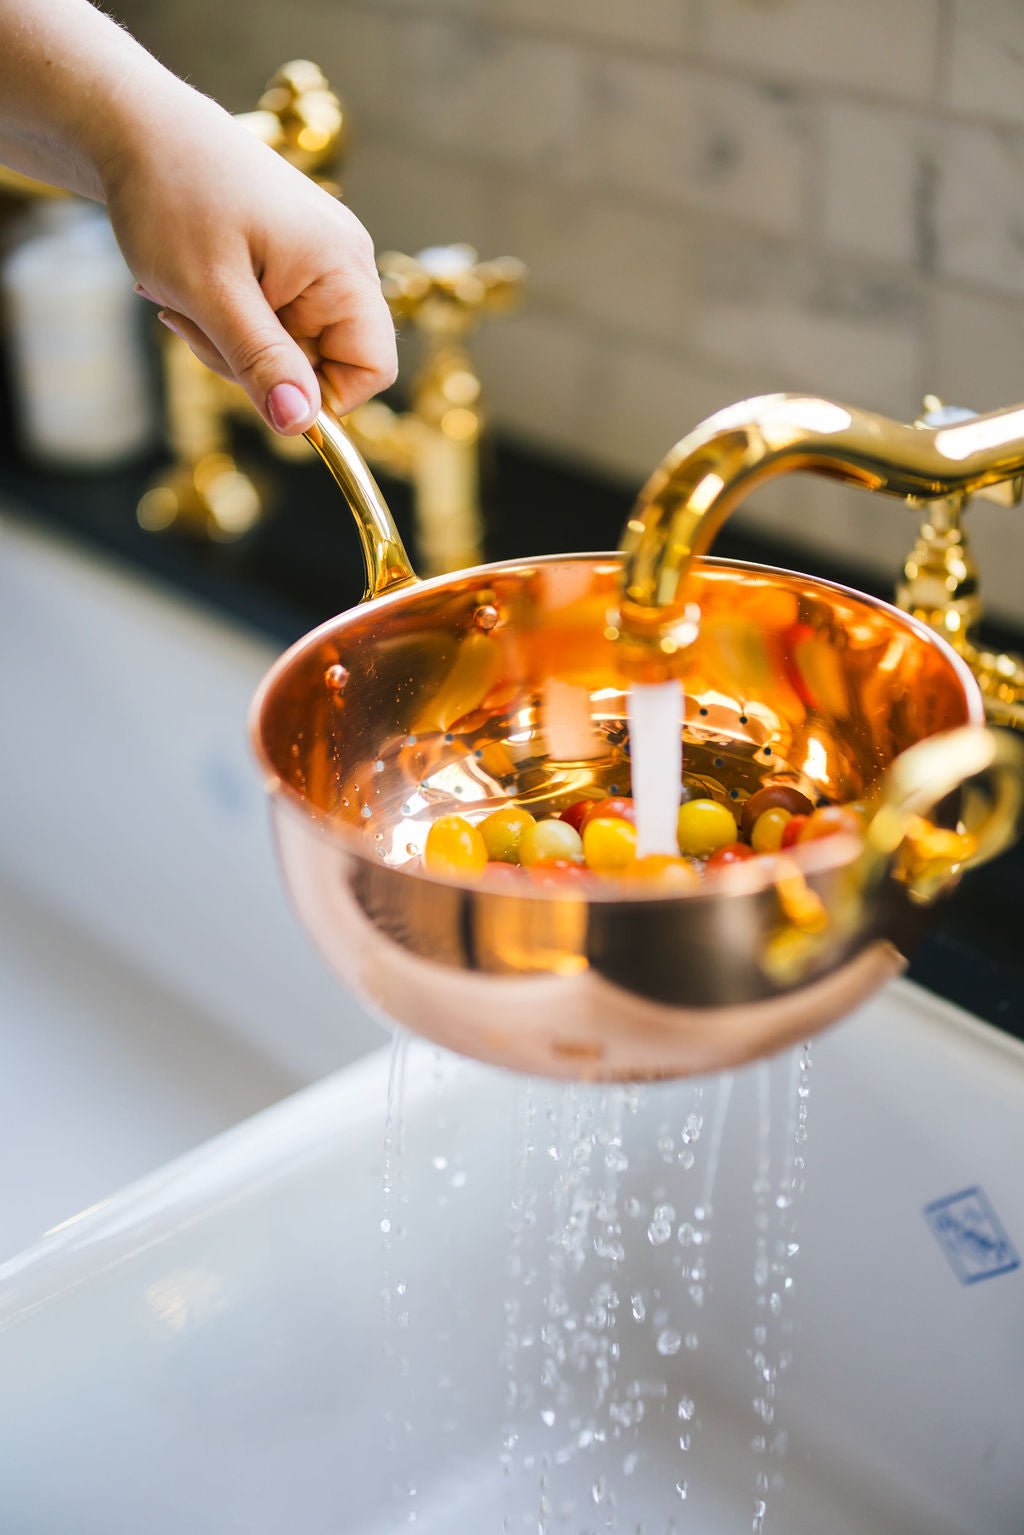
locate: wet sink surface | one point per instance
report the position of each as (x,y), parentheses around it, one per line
(213,1349)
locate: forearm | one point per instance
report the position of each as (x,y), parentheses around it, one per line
(74,88)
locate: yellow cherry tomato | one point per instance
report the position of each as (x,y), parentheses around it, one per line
(766,836)
(609,844)
(662,870)
(454,847)
(703,826)
(502,832)
(548,840)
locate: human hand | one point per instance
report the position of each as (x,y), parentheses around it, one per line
(265,276)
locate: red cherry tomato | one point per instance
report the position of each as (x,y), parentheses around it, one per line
(732,852)
(575,814)
(791,832)
(609,810)
(557,871)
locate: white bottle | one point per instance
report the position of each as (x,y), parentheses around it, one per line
(83,390)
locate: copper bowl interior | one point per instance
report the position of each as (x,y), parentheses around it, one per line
(506,682)
(790,679)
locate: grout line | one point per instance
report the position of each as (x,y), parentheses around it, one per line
(714,65)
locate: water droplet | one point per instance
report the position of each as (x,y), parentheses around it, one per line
(458,1180)
(686,1409)
(616,1160)
(691,1340)
(547,1417)
(410,740)
(336,678)
(378,766)
(385,1226)
(669,1342)
(639,1307)
(486,616)
(682,1488)
(365,812)
(440,1163)
(658,1233)
(630,1463)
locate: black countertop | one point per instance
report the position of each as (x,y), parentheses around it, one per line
(302,565)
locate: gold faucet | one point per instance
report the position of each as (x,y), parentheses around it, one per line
(205,491)
(940,583)
(940,461)
(443,293)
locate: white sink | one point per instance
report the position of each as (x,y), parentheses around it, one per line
(209,1350)
(156,987)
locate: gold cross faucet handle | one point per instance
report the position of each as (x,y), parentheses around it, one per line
(446,290)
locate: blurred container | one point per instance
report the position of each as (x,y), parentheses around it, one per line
(82,385)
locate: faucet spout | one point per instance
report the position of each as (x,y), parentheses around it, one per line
(707,474)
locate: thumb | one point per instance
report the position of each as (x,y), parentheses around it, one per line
(268,363)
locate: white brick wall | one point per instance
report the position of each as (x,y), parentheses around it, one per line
(715,198)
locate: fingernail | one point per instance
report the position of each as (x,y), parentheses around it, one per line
(165,319)
(145,293)
(287,406)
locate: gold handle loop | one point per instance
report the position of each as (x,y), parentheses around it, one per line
(387,564)
(919,779)
(899,840)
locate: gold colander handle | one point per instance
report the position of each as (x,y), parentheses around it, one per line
(387,564)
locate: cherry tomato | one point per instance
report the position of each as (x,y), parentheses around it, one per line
(503,874)
(769,828)
(792,829)
(663,870)
(731,853)
(829,820)
(609,843)
(703,826)
(550,839)
(557,871)
(574,815)
(620,809)
(773,795)
(502,832)
(454,847)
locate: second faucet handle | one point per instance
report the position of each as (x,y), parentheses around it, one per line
(446,290)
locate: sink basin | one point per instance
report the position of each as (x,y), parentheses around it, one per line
(235,1343)
(148,954)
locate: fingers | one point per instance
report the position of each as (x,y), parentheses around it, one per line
(193,337)
(240,331)
(353,332)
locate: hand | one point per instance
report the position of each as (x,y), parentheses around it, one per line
(263,274)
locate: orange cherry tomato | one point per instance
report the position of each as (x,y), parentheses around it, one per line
(661,869)
(829,820)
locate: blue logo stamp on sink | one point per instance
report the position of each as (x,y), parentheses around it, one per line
(971,1235)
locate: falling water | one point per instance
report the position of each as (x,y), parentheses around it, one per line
(655,713)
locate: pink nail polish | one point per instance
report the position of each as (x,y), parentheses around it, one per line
(287,406)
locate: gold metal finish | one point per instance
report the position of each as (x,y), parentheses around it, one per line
(443,293)
(387,564)
(709,472)
(940,584)
(410,707)
(300,117)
